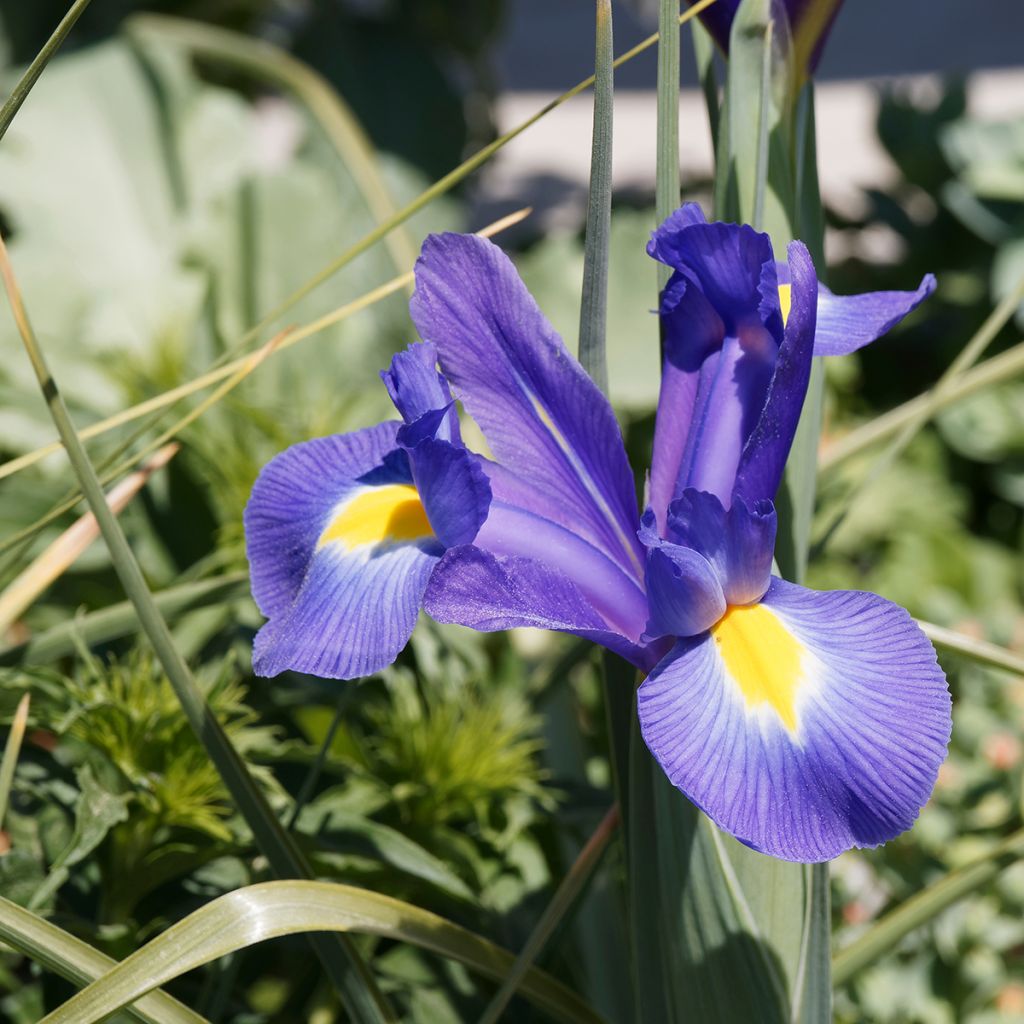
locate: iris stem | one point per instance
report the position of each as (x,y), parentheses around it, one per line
(666,188)
(561,903)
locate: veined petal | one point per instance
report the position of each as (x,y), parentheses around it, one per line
(849,322)
(765,453)
(293,499)
(805,725)
(543,417)
(340,549)
(417,388)
(490,592)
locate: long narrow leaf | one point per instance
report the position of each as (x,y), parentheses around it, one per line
(12,748)
(35,69)
(555,912)
(265,911)
(78,962)
(990,655)
(594,304)
(924,907)
(344,964)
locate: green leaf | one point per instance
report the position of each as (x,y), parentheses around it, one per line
(666,189)
(387,844)
(594,303)
(77,961)
(259,912)
(97,811)
(12,748)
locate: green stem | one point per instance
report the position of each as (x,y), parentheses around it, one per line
(666,189)
(343,963)
(980,651)
(565,897)
(920,909)
(35,69)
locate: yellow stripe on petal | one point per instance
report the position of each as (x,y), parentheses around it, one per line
(380,515)
(785,301)
(763,657)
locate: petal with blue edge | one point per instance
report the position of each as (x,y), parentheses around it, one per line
(805,725)
(340,550)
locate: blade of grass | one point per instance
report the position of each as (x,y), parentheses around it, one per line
(12,748)
(965,359)
(35,69)
(555,912)
(594,304)
(666,177)
(908,419)
(344,965)
(219,373)
(120,620)
(72,543)
(77,961)
(981,651)
(259,912)
(262,59)
(923,907)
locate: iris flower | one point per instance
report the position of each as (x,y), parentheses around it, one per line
(810,22)
(804,723)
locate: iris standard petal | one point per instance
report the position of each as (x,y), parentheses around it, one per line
(417,388)
(765,453)
(739,542)
(543,417)
(340,549)
(805,725)
(848,322)
(491,592)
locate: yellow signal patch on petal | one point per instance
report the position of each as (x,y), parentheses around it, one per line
(785,301)
(379,515)
(763,657)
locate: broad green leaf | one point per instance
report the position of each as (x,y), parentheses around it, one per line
(71,958)
(259,912)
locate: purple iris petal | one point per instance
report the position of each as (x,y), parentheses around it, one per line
(738,542)
(292,500)
(849,322)
(841,746)
(723,331)
(544,419)
(683,589)
(492,592)
(416,388)
(337,608)
(767,448)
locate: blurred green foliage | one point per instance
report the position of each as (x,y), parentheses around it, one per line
(154,211)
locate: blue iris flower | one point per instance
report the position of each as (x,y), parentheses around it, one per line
(804,723)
